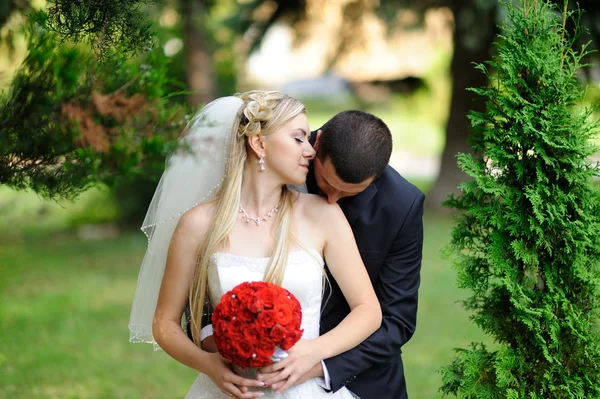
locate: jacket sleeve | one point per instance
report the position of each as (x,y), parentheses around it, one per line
(205,321)
(397,291)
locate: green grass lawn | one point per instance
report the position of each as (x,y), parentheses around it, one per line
(25,216)
(64,309)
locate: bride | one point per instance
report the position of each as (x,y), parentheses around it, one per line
(221,215)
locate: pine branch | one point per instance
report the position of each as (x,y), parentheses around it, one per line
(564,28)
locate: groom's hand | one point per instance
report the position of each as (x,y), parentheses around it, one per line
(315,372)
(209,345)
(274,379)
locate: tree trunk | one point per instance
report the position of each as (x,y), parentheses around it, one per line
(198,57)
(463,76)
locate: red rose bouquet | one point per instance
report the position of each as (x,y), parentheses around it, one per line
(252,320)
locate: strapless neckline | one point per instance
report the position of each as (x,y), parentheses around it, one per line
(266,258)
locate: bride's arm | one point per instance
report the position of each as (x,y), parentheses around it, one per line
(166,328)
(345,264)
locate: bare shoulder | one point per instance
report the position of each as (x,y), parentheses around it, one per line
(197,221)
(318,210)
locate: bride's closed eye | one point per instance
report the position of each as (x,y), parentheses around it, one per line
(299,140)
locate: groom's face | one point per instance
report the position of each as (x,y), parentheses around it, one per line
(331,186)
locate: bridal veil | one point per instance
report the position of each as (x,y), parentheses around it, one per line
(193,175)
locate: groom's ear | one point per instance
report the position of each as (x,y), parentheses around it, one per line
(257,144)
(316,144)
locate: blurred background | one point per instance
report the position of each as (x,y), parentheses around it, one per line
(70,245)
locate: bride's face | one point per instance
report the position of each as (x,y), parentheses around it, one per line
(288,152)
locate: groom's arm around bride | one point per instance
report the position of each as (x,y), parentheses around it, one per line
(374,369)
(385,214)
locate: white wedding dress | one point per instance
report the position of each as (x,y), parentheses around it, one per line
(303,278)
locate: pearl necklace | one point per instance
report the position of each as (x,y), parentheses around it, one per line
(259,220)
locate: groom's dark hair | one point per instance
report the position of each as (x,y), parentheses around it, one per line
(357,143)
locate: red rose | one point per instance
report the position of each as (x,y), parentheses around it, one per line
(252,334)
(259,361)
(296,318)
(234,326)
(229,305)
(243,348)
(256,305)
(277,333)
(266,319)
(290,339)
(267,296)
(284,296)
(265,348)
(259,285)
(283,314)
(244,295)
(225,347)
(216,316)
(246,315)
(219,325)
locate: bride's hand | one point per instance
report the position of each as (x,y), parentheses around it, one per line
(230,383)
(302,357)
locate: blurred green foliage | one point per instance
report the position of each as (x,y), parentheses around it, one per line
(25,217)
(70,121)
(104,25)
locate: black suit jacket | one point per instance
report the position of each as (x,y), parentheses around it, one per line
(386,219)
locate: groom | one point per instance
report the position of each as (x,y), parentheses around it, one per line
(385,213)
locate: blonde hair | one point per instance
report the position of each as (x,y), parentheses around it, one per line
(262,113)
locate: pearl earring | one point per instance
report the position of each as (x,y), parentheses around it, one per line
(261,162)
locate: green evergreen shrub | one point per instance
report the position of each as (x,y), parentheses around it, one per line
(526,241)
(70,121)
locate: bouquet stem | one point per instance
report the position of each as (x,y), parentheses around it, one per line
(251,373)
